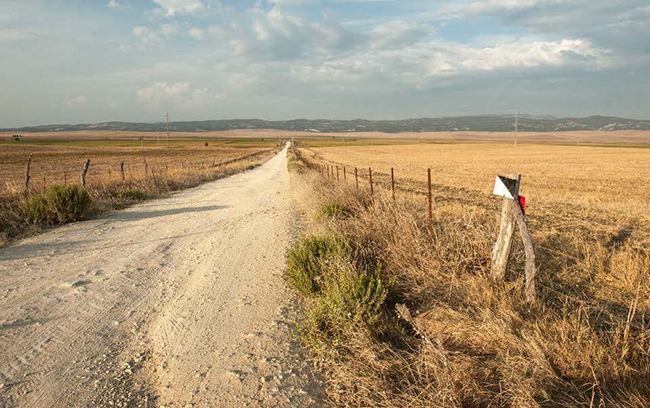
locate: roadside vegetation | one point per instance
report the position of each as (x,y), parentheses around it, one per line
(404,313)
(55,197)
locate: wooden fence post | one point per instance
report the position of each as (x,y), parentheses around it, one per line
(372,190)
(65,178)
(501,250)
(392,182)
(27,177)
(345,176)
(511,214)
(429,198)
(531,268)
(337,172)
(356,177)
(83,173)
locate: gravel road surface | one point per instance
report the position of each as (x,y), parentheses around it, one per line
(177,302)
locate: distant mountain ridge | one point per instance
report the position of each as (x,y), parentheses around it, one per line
(487,123)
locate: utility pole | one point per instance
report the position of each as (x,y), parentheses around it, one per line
(516,126)
(167,117)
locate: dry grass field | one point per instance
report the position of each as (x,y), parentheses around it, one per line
(55,162)
(462,339)
(605,188)
(149,171)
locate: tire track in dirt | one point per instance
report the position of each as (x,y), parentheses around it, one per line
(172,302)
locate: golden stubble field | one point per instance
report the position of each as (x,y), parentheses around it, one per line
(604,187)
(583,342)
(59,164)
(149,171)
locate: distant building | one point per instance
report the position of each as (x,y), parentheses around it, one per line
(16,137)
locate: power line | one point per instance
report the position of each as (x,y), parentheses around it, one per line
(167,126)
(516,127)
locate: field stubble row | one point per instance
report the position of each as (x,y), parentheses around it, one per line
(148,173)
(584,342)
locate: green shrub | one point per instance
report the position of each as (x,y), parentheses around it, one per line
(333,210)
(349,298)
(59,204)
(37,211)
(307,261)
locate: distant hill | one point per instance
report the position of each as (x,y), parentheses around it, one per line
(486,123)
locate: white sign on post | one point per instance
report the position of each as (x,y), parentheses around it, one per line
(506,187)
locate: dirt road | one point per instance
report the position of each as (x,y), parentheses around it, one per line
(176,302)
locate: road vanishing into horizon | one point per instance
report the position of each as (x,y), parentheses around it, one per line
(175,302)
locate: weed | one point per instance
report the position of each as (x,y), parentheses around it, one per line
(349,297)
(333,209)
(130,194)
(470,341)
(59,204)
(307,261)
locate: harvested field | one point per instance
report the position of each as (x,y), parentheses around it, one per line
(54,164)
(147,173)
(449,335)
(586,186)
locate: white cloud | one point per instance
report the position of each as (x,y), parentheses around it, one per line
(468,8)
(397,33)
(112,4)
(149,36)
(168,29)
(196,33)
(275,35)
(291,2)
(178,95)
(76,102)
(173,7)
(162,90)
(423,64)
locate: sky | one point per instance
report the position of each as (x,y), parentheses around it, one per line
(88,61)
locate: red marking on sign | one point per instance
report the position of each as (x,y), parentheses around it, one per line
(522,203)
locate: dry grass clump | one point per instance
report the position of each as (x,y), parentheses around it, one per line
(23,213)
(58,205)
(448,336)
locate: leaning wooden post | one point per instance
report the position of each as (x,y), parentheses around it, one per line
(122,170)
(337,172)
(372,190)
(531,268)
(356,177)
(29,162)
(392,182)
(83,173)
(429,198)
(501,250)
(511,213)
